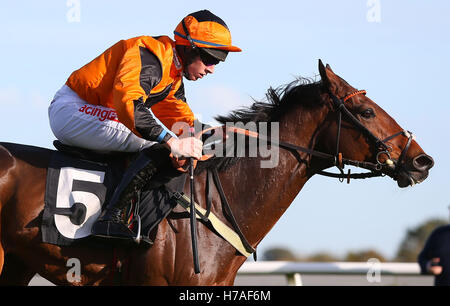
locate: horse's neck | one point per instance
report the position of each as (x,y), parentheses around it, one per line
(259,196)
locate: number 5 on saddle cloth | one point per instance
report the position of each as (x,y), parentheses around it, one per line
(79,183)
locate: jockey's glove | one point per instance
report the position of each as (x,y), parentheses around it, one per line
(186,147)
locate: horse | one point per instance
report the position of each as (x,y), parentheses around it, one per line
(319,119)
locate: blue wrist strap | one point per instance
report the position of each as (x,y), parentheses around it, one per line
(161,136)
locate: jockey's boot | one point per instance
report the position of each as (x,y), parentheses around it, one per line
(110,224)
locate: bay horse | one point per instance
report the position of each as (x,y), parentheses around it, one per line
(309,116)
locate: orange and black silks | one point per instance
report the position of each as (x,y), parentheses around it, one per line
(143,72)
(132,76)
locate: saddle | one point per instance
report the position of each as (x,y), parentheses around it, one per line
(91,155)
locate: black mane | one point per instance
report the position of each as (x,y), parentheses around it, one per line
(302,91)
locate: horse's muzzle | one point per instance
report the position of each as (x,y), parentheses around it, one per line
(416,171)
(423,162)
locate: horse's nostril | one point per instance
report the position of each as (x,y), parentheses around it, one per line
(423,162)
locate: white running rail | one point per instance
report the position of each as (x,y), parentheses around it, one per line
(293,270)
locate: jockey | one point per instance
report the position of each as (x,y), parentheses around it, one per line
(105,105)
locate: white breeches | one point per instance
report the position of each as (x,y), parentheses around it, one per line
(77,123)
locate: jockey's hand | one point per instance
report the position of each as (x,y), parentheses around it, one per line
(186,147)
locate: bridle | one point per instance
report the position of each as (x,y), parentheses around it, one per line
(380,145)
(337,159)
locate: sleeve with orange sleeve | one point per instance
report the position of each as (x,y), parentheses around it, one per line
(138,72)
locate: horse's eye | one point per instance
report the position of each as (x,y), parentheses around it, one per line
(368,113)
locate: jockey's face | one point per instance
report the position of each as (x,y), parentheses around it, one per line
(197,69)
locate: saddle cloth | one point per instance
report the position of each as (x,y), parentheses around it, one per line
(77,190)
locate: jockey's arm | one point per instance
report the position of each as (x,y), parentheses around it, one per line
(138,73)
(135,78)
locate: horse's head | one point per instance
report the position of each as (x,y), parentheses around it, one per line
(368,134)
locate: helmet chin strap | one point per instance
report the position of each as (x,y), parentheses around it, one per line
(188,36)
(194,47)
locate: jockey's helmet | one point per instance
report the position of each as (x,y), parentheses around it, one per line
(205,31)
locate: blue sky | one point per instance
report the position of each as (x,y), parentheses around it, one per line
(402,61)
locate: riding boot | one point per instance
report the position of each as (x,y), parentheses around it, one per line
(110,224)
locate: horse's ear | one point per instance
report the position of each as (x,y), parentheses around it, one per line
(328,77)
(323,75)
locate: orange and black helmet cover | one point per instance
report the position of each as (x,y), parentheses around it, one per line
(206,31)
